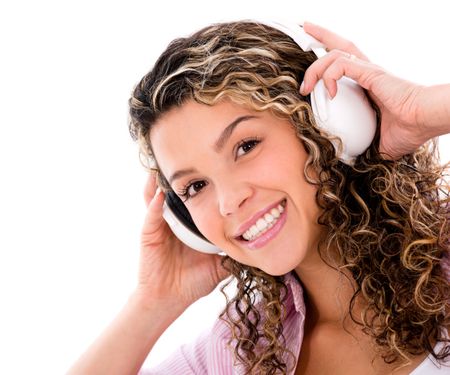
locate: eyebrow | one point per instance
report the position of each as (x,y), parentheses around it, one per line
(226,133)
(218,145)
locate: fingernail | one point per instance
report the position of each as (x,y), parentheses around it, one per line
(158,191)
(302,88)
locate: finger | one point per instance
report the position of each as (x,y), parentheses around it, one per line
(360,71)
(315,72)
(332,40)
(150,188)
(153,217)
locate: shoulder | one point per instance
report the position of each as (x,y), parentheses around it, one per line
(213,350)
(431,366)
(206,354)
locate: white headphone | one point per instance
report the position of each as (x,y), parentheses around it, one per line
(349,116)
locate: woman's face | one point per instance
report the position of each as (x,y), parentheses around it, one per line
(240,173)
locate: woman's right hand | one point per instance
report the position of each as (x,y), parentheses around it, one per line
(170,270)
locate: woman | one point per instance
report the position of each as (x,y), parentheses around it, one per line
(340,269)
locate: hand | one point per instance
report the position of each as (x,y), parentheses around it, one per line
(402,131)
(170,270)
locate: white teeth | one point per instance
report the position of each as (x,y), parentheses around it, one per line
(275,213)
(269,218)
(263,223)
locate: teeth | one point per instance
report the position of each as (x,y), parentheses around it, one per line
(269,218)
(263,223)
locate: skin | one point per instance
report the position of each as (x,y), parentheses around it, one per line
(227,187)
(411,114)
(173,276)
(263,174)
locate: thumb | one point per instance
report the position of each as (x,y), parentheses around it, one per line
(153,217)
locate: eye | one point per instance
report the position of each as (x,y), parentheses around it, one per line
(192,189)
(245,146)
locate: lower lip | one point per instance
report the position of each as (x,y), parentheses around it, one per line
(267,236)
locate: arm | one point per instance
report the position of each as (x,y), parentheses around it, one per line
(171,277)
(124,345)
(435,110)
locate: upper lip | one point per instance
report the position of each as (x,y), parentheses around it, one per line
(246,225)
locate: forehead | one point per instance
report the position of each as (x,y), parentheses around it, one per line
(192,125)
(193,116)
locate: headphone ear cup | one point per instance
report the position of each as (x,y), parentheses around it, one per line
(178,208)
(180,222)
(349,116)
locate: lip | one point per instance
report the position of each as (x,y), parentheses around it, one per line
(252,221)
(267,236)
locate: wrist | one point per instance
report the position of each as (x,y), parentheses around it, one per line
(433,113)
(169,308)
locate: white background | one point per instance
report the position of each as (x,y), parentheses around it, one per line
(71,205)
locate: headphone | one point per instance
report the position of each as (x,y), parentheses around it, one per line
(348,116)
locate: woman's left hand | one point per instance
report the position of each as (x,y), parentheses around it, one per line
(398,100)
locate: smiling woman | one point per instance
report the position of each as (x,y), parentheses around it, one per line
(334,259)
(265,158)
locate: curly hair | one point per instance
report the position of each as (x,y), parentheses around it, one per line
(387,220)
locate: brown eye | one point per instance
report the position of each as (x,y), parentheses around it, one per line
(196,187)
(246,146)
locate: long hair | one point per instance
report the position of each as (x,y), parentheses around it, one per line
(387,220)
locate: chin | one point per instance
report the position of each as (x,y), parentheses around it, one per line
(277,270)
(274,274)
(281,265)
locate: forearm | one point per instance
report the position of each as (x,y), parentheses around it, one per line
(434,115)
(125,344)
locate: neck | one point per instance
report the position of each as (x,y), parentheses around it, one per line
(328,291)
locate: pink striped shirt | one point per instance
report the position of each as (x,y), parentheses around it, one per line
(209,353)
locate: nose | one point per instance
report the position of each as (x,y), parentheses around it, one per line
(232,195)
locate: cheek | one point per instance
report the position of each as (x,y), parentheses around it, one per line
(284,164)
(207,220)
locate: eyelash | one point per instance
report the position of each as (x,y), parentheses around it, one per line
(254,141)
(184,192)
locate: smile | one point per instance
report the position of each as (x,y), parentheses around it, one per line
(264,223)
(265,227)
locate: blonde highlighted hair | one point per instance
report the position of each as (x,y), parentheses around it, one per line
(387,220)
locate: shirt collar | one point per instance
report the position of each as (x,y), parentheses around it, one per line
(295,291)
